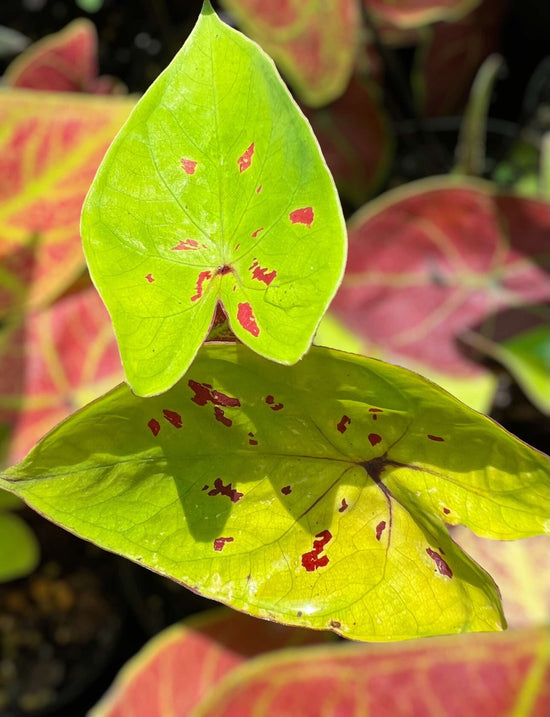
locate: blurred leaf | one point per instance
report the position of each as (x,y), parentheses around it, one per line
(356,139)
(8,501)
(313,42)
(415,13)
(11,42)
(204,649)
(492,675)
(521,569)
(57,361)
(315,494)
(19,549)
(63,62)
(214,192)
(51,145)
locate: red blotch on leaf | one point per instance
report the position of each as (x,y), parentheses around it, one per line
(380,529)
(344,506)
(374,439)
(245,317)
(286,490)
(313,560)
(205,487)
(186,245)
(344,423)
(270,400)
(374,411)
(446,511)
(259,189)
(219,543)
(204,393)
(220,416)
(441,564)
(188,166)
(435,438)
(245,160)
(221,489)
(154,425)
(252,441)
(203,276)
(302,216)
(262,274)
(150,278)
(223,270)
(173,418)
(255,234)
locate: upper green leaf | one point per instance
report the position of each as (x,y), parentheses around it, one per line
(214,191)
(313,495)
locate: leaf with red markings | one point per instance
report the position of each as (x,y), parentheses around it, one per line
(415,13)
(355,136)
(63,62)
(313,42)
(53,363)
(213,194)
(457,50)
(430,261)
(315,495)
(203,649)
(462,675)
(51,147)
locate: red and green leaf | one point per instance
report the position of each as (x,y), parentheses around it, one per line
(489,675)
(202,650)
(356,140)
(432,260)
(457,50)
(415,13)
(53,363)
(313,42)
(51,146)
(63,62)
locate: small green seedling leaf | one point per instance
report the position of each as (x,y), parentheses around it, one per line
(19,551)
(314,495)
(214,191)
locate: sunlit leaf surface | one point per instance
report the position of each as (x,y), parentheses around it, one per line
(214,192)
(315,495)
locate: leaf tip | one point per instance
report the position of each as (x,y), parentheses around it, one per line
(207,8)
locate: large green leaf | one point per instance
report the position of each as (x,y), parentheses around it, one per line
(214,191)
(313,495)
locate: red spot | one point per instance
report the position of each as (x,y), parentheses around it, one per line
(313,560)
(343,507)
(446,511)
(261,274)
(374,439)
(204,393)
(188,166)
(302,216)
(380,529)
(287,490)
(259,189)
(374,411)
(336,624)
(219,543)
(271,403)
(220,416)
(245,160)
(435,438)
(186,245)
(223,270)
(173,418)
(203,276)
(246,319)
(344,423)
(236,247)
(205,487)
(154,425)
(150,278)
(252,441)
(221,489)
(255,234)
(441,565)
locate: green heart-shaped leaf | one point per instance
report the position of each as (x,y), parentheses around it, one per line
(214,191)
(313,495)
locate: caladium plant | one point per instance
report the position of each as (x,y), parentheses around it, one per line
(315,494)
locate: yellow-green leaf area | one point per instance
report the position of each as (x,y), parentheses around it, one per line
(215,191)
(316,495)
